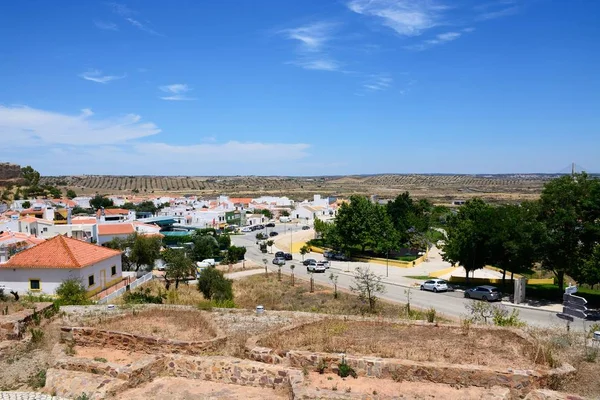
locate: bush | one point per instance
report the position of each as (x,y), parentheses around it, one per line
(344,370)
(503,318)
(72,292)
(142,296)
(214,286)
(38,380)
(430,314)
(37,335)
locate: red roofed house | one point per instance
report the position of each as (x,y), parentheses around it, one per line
(107,232)
(42,268)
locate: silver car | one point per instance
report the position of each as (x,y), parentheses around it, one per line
(317,267)
(435,285)
(485,293)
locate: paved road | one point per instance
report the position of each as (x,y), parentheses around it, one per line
(397,286)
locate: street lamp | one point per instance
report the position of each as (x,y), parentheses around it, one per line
(387,255)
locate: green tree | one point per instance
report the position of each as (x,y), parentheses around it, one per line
(353,224)
(266,213)
(569,210)
(123,245)
(270,243)
(71,194)
(285,213)
(401,214)
(26,204)
(323,228)
(235,254)
(179,265)
(205,246)
(31,176)
(144,251)
(590,271)
(71,292)
(514,234)
(214,286)
(304,250)
(468,238)
(99,201)
(224,241)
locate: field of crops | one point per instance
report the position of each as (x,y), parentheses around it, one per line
(440,187)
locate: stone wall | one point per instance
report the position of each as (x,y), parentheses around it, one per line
(522,381)
(95,337)
(13,326)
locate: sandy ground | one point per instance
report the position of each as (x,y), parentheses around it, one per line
(385,388)
(110,355)
(184,389)
(282,242)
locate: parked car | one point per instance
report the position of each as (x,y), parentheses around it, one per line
(328,254)
(435,285)
(279,261)
(288,256)
(324,263)
(270,225)
(316,268)
(309,261)
(273,233)
(280,254)
(340,257)
(209,261)
(485,293)
(260,226)
(247,229)
(305,227)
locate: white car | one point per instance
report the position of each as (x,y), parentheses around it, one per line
(246,229)
(318,267)
(323,263)
(435,285)
(209,261)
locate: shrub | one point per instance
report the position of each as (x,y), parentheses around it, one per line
(430,314)
(321,366)
(501,317)
(142,296)
(37,335)
(72,292)
(214,286)
(38,380)
(344,370)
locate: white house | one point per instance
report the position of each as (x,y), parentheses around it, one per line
(256,219)
(107,232)
(42,268)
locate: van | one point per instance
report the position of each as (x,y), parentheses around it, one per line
(284,219)
(209,261)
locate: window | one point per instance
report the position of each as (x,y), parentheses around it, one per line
(35,284)
(91,280)
(113,270)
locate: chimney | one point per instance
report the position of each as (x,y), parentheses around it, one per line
(69,215)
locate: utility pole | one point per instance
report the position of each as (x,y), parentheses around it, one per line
(572,169)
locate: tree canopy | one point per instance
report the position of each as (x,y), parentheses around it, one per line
(99,201)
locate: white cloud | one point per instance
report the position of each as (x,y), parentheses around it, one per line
(406,17)
(377,83)
(318,64)
(126,13)
(33,126)
(504,12)
(439,39)
(142,26)
(312,47)
(60,144)
(108,26)
(176,91)
(311,37)
(95,75)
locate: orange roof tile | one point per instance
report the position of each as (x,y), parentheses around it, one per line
(17,237)
(90,220)
(115,229)
(31,211)
(242,200)
(33,219)
(113,211)
(60,252)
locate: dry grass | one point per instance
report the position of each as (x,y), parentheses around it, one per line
(497,348)
(187,295)
(163,323)
(275,295)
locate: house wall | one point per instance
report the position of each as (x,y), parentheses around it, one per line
(51,278)
(83,232)
(107,238)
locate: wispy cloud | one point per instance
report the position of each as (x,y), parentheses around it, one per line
(504,12)
(439,39)
(87,144)
(127,14)
(95,75)
(406,17)
(176,92)
(107,26)
(377,82)
(313,46)
(47,127)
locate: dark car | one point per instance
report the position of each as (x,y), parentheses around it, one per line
(273,234)
(485,293)
(309,261)
(270,225)
(260,226)
(340,257)
(280,254)
(288,256)
(305,227)
(328,254)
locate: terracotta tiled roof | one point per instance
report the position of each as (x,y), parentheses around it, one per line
(60,252)
(79,220)
(33,219)
(113,211)
(18,237)
(115,229)
(242,200)
(31,211)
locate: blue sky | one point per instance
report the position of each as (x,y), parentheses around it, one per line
(305,87)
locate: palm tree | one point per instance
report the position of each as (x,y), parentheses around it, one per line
(270,243)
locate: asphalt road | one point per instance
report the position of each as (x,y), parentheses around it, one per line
(451,304)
